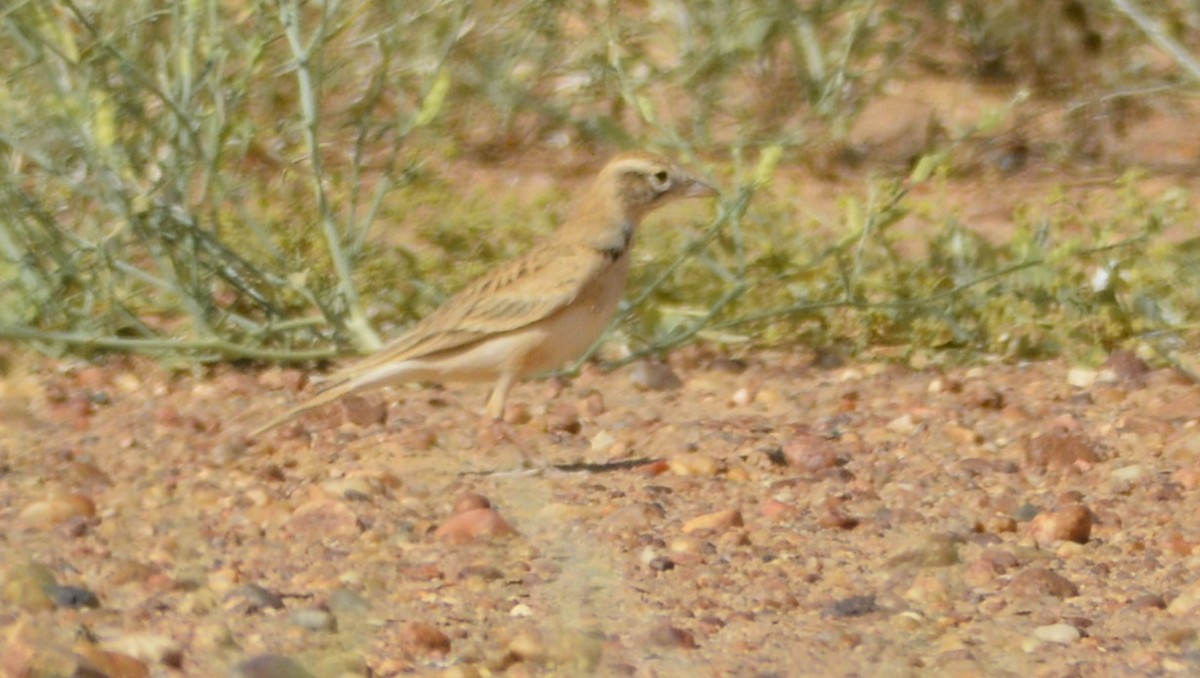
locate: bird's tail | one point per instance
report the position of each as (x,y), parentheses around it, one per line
(324,397)
(347,382)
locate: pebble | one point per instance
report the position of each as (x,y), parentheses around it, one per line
(773,508)
(719,520)
(698,465)
(904,424)
(928,590)
(633,517)
(28,648)
(983,396)
(346,663)
(149,648)
(649,375)
(364,411)
(423,638)
(686,545)
(1063,634)
(854,606)
(347,601)
(1129,474)
(664,634)
(330,518)
(1039,581)
(270,666)
(276,379)
(73,597)
(564,418)
(214,637)
(1081,377)
(810,453)
(937,550)
(1148,601)
(653,468)
(944,385)
(1187,602)
(356,488)
(56,510)
(517,414)
(661,564)
(27,585)
(1071,522)
(473,525)
(737,474)
(314,620)
(594,405)
(1060,449)
(1126,366)
(648,554)
(470,502)
(832,514)
(257,598)
(602,442)
(226,453)
(526,646)
(97,661)
(743,396)
(1188,478)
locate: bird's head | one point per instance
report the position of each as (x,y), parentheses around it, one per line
(627,189)
(641,182)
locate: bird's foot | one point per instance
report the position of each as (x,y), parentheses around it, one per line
(498,431)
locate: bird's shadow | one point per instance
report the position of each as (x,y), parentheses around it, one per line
(577,467)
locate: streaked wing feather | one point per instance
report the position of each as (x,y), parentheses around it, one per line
(513,296)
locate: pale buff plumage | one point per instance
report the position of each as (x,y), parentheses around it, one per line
(537,312)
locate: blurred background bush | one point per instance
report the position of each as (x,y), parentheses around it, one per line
(229,179)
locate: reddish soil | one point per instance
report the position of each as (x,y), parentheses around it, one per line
(770,517)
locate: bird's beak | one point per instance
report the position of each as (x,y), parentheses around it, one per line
(695,188)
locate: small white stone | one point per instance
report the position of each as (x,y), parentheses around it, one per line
(602,441)
(903,424)
(521,610)
(648,554)
(1081,377)
(1129,473)
(743,396)
(1063,634)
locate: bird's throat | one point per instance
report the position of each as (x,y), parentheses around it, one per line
(618,250)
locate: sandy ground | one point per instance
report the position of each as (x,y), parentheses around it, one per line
(756,517)
(768,514)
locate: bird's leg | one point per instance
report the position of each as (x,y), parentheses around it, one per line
(497,428)
(499,396)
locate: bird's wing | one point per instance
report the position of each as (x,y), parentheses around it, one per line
(508,298)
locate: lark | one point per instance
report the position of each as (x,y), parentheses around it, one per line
(537,312)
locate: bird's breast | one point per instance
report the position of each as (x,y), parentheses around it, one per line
(572,330)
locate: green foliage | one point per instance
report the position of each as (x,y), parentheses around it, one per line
(214,178)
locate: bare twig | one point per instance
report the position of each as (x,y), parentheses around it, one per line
(215,349)
(360,330)
(1160,37)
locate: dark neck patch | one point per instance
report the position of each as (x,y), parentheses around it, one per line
(617,251)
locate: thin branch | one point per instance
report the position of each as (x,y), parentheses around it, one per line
(360,329)
(1160,37)
(224,349)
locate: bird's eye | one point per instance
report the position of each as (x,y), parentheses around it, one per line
(661,180)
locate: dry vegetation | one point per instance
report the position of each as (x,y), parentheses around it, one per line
(930,407)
